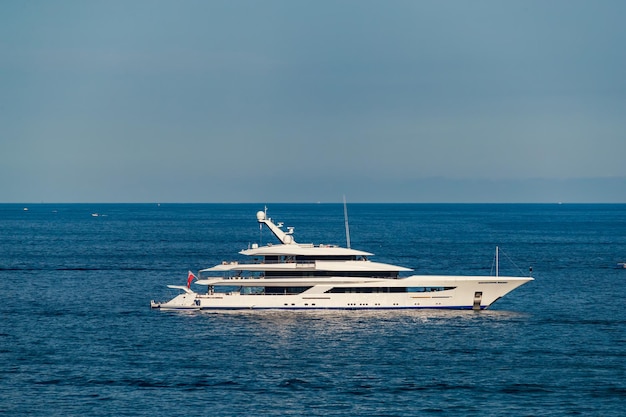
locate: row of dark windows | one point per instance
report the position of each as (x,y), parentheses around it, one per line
(309,274)
(308,258)
(358,290)
(284,290)
(342,290)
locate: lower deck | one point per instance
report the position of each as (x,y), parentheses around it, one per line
(347,300)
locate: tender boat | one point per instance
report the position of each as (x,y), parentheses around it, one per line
(295,276)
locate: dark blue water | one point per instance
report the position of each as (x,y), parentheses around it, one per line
(77,335)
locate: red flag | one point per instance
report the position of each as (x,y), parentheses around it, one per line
(190,278)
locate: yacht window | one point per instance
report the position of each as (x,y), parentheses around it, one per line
(428,289)
(316,273)
(285,290)
(367,290)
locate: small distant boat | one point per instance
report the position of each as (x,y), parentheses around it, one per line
(95,214)
(621,265)
(25,208)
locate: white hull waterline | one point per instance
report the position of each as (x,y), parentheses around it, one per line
(292,276)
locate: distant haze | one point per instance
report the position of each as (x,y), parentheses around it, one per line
(294,101)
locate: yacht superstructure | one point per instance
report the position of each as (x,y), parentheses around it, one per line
(291,275)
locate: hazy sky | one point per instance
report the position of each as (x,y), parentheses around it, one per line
(281,101)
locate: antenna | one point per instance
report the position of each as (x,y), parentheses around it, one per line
(261,225)
(345,216)
(497,261)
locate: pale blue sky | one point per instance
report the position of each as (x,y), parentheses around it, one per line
(304,101)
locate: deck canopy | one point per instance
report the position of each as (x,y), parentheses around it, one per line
(311,266)
(303,250)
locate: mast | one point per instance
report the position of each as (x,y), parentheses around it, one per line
(345,216)
(285,237)
(497,263)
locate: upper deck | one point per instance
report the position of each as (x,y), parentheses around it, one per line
(292,256)
(298,249)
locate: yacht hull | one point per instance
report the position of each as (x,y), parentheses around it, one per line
(415,292)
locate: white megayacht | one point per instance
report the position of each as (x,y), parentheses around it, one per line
(295,276)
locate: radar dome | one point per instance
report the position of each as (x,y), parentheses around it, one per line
(260,215)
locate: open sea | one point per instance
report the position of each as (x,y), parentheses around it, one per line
(77,336)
